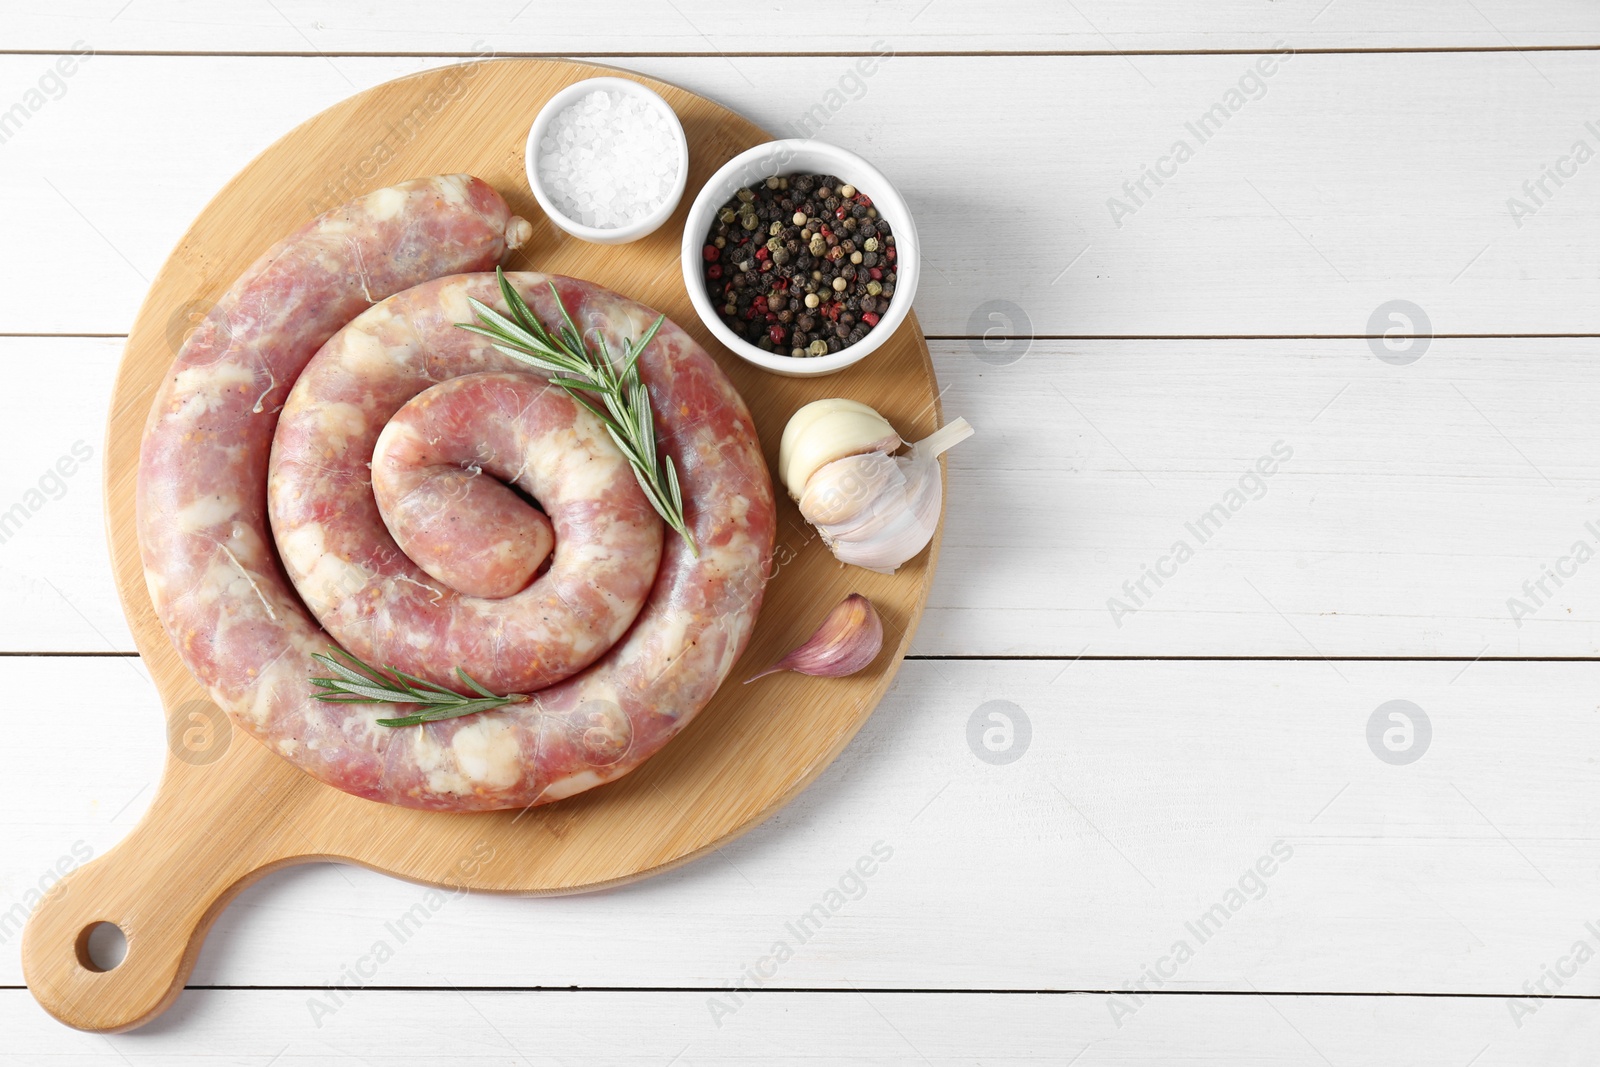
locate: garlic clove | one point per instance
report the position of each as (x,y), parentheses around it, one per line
(848,639)
(827,430)
(846,489)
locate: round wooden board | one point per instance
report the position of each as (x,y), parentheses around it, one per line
(228,810)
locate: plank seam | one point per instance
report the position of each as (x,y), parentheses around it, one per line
(920,991)
(1039,53)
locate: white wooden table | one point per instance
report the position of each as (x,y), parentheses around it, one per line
(1196,764)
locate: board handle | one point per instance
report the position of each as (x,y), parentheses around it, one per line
(219,821)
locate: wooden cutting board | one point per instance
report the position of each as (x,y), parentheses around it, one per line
(228,810)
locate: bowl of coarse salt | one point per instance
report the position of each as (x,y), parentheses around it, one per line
(607,160)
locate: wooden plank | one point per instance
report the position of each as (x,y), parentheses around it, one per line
(710,26)
(55,569)
(1415,503)
(1146,794)
(1414,507)
(1301,215)
(245,1028)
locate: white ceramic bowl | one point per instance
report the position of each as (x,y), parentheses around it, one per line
(796,156)
(614,235)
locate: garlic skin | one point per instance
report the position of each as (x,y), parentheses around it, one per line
(848,639)
(873,509)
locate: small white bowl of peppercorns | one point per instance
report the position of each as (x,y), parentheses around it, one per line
(800,257)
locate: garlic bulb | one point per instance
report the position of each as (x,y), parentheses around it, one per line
(874,509)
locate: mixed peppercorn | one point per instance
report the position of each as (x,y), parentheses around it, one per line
(800,265)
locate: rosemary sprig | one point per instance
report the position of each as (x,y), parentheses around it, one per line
(576,367)
(356,682)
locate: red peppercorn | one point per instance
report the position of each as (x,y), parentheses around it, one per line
(840,212)
(711,252)
(823,229)
(760,304)
(714,271)
(877,274)
(762,254)
(869,318)
(863,199)
(891,254)
(776,333)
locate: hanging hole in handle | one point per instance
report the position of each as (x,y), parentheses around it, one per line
(101,946)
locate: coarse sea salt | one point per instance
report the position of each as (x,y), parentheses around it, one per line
(608,159)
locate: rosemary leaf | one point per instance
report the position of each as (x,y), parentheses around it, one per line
(439,714)
(472,683)
(364,692)
(421,684)
(500,326)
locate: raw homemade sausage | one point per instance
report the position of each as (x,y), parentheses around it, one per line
(338,548)
(239,625)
